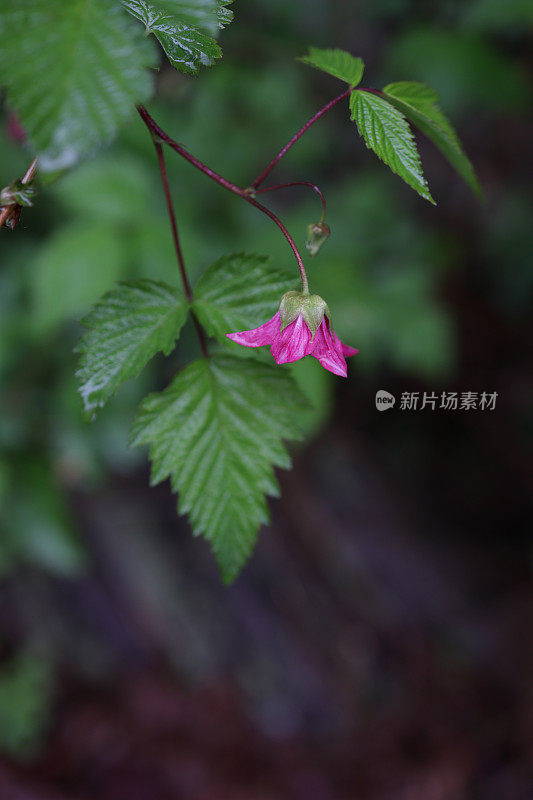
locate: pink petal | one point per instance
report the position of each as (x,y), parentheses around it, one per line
(258,337)
(345,349)
(348,351)
(328,350)
(294,342)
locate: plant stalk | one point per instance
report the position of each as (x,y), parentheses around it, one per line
(297,183)
(177,246)
(161,137)
(260,178)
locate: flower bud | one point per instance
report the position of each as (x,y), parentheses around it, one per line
(13,219)
(18,193)
(317,233)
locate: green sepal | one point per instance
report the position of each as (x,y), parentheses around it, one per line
(17,192)
(310,306)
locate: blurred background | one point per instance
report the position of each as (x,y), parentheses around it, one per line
(377,645)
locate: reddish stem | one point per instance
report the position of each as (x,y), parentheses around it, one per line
(160,135)
(177,245)
(173,223)
(298,183)
(259,180)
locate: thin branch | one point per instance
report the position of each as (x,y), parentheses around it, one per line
(259,180)
(160,135)
(173,223)
(177,246)
(298,183)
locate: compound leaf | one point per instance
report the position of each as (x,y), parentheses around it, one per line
(338,63)
(419,103)
(217,432)
(73,72)
(238,290)
(387,132)
(125,330)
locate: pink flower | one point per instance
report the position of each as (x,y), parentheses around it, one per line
(300,328)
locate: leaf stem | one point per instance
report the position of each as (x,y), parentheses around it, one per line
(160,136)
(177,246)
(259,180)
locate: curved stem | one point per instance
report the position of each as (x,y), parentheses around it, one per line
(177,246)
(161,137)
(259,180)
(298,183)
(283,229)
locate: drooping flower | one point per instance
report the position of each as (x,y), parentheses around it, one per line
(301,327)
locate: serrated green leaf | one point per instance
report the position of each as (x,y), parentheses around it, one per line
(73,72)
(419,103)
(217,432)
(238,292)
(224,14)
(125,330)
(180,28)
(338,63)
(208,16)
(387,132)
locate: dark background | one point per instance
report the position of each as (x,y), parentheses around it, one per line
(377,645)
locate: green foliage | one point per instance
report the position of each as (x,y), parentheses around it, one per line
(470,72)
(419,103)
(384,292)
(489,16)
(205,15)
(217,432)
(113,189)
(184,29)
(338,63)
(239,292)
(125,330)
(25,697)
(72,270)
(38,528)
(73,72)
(387,132)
